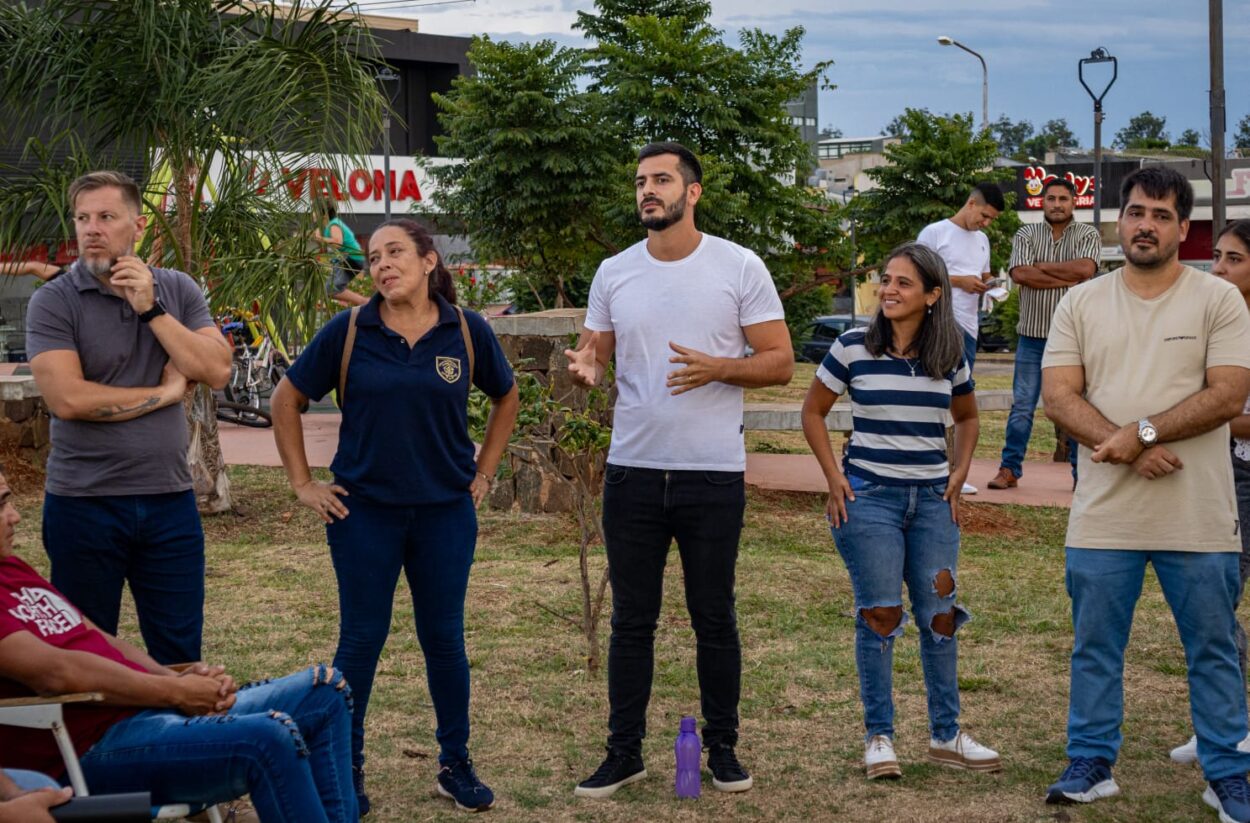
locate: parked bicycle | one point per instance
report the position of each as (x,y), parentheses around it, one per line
(258,367)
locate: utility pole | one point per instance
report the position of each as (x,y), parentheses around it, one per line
(1217,117)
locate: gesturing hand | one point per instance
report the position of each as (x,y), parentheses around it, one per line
(323,498)
(583,362)
(134,278)
(700,369)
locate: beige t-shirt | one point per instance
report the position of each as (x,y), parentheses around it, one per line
(1141,358)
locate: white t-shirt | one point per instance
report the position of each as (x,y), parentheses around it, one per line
(701,302)
(966,253)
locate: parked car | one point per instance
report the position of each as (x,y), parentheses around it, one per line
(990,336)
(823,331)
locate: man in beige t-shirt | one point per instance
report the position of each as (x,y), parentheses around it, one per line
(1145,367)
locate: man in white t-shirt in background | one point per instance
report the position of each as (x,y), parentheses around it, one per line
(677,310)
(966,251)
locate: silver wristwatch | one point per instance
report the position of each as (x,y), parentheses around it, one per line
(1147,434)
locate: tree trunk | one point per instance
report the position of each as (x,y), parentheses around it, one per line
(208,468)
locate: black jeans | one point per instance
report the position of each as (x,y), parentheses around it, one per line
(643,511)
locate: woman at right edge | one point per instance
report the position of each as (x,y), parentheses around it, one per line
(894,512)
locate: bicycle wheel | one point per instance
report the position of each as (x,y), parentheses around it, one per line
(243,414)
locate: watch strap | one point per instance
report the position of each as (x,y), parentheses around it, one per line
(151,314)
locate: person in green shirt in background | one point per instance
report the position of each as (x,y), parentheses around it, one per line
(346,257)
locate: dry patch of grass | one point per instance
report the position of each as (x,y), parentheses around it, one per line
(540,719)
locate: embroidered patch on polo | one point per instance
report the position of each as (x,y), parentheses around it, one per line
(448,368)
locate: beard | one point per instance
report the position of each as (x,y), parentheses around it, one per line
(1151,257)
(672,214)
(1055,220)
(98,266)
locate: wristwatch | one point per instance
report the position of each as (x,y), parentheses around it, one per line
(1147,434)
(151,314)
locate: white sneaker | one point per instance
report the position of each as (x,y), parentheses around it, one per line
(879,759)
(969,489)
(1188,753)
(962,752)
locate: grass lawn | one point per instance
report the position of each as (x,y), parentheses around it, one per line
(540,718)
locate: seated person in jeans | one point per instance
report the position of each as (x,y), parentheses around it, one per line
(25,797)
(193,737)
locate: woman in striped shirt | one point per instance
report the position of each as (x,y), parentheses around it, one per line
(894,508)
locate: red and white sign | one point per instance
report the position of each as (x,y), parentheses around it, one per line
(1036,178)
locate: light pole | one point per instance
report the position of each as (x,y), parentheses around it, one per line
(848,195)
(985,79)
(1216,36)
(1098,55)
(386,75)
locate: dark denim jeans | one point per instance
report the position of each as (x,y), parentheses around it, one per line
(970,350)
(1026,388)
(644,510)
(1201,589)
(433,546)
(285,742)
(154,542)
(892,535)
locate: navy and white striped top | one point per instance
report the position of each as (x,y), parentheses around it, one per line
(898,412)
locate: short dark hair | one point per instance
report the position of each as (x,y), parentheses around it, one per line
(989,194)
(1059,181)
(689,166)
(324,207)
(103,180)
(1158,182)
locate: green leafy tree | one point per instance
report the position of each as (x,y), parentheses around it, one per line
(830,132)
(928,178)
(1144,131)
(1241,138)
(1053,135)
(1011,136)
(1190,138)
(204,98)
(550,136)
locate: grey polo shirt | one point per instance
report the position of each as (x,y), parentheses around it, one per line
(146,455)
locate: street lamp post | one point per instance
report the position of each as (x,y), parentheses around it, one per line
(387,76)
(848,194)
(985,79)
(1098,55)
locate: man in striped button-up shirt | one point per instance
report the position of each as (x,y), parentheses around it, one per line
(1047,259)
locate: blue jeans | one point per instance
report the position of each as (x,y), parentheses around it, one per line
(285,742)
(434,546)
(1241,479)
(644,511)
(1026,388)
(894,534)
(970,350)
(154,542)
(1201,588)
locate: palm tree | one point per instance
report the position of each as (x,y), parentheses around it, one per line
(202,100)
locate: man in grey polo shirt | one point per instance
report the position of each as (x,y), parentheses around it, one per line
(113,345)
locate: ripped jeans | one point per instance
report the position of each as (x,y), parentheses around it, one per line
(286,742)
(894,534)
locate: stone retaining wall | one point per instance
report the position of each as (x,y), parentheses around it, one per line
(24,424)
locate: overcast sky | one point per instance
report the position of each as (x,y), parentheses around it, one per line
(886,56)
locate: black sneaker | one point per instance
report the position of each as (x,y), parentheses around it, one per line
(358,782)
(727,773)
(619,769)
(459,782)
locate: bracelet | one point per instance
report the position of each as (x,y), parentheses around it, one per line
(490,481)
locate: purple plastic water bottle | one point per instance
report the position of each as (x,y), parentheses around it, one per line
(689,757)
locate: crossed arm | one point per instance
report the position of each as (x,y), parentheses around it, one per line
(1063,393)
(1054,275)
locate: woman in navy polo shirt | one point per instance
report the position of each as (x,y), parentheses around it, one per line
(894,506)
(406,484)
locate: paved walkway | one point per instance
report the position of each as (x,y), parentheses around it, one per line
(1045,484)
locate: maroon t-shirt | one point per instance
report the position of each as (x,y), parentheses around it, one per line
(28,603)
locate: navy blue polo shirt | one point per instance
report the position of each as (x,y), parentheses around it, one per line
(404,439)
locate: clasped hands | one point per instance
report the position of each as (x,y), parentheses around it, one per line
(1124,448)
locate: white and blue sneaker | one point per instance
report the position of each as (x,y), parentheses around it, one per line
(1230,796)
(1085,780)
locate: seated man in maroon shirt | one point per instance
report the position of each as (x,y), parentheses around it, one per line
(193,737)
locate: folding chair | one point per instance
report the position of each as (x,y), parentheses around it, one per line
(47,713)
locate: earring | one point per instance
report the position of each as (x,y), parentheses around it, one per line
(929,310)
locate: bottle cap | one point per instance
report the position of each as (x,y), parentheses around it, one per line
(688,724)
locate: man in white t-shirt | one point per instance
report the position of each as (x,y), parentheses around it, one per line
(678,311)
(1145,367)
(965,249)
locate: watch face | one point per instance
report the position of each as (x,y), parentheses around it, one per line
(1148,434)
